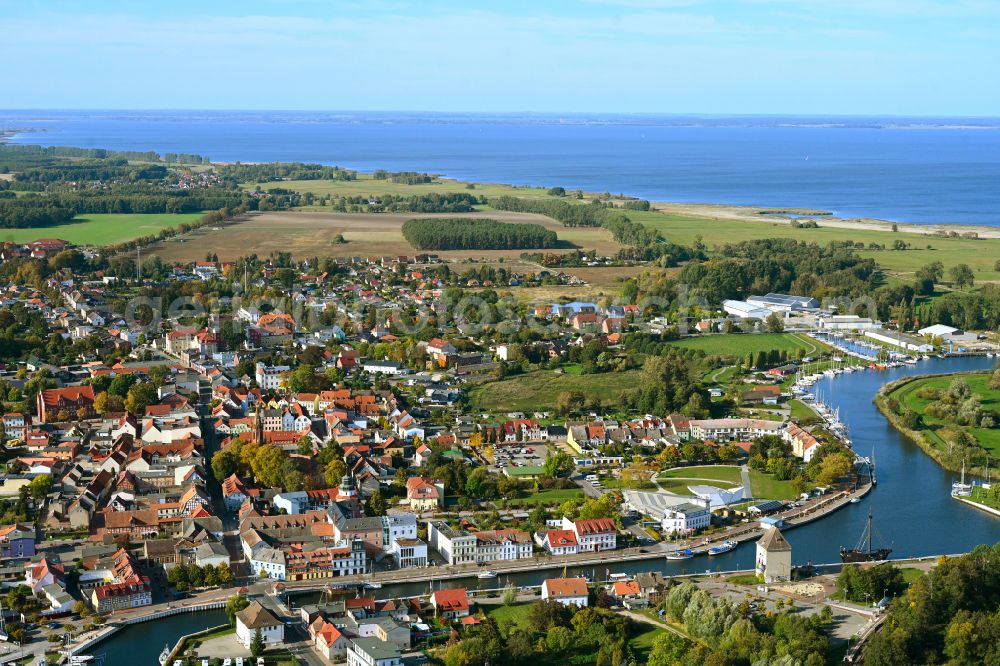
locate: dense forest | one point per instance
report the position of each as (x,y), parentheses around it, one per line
(403,177)
(642,243)
(262,173)
(949,616)
(20,157)
(475,234)
(781,265)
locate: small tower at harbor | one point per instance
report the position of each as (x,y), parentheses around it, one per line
(774,556)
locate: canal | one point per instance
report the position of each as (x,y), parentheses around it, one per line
(913,513)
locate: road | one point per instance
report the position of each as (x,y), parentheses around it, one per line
(745,476)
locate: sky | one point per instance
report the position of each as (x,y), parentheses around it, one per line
(820,57)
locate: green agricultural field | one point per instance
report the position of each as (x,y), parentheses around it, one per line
(979,254)
(988,438)
(741,344)
(94,229)
(537,391)
(365,185)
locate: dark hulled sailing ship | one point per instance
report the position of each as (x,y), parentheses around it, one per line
(865,552)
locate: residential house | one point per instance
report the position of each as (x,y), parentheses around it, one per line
(567,591)
(255,617)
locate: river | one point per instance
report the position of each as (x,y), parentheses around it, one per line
(912,507)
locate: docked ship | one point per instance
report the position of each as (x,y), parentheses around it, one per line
(723,547)
(864,552)
(685,554)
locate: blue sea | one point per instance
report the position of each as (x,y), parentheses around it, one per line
(917,170)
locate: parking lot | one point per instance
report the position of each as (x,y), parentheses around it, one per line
(520,454)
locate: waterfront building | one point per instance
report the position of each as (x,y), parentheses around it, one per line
(255,617)
(452,604)
(567,591)
(685,519)
(774,556)
(593,535)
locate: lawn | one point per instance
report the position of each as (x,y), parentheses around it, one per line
(553,496)
(912,575)
(982,496)
(93,229)
(802,412)
(741,344)
(988,438)
(537,391)
(515,613)
(717,472)
(763,486)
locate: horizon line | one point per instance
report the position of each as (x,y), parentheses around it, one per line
(661,114)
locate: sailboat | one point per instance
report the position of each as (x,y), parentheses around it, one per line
(961,489)
(864,552)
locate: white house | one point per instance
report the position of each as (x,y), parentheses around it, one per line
(372,652)
(567,591)
(255,617)
(268,562)
(685,518)
(560,542)
(269,376)
(593,535)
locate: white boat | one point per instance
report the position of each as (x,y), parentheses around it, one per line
(373,585)
(164,655)
(617,577)
(489,573)
(685,554)
(855,500)
(723,547)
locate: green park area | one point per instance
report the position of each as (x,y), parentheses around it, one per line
(101,229)
(538,390)
(928,399)
(762,485)
(742,344)
(518,616)
(547,497)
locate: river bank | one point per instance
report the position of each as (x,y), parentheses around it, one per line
(920,437)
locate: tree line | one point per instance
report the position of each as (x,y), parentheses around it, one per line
(948,616)
(262,173)
(476,234)
(403,177)
(781,265)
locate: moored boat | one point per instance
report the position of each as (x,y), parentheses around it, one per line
(685,554)
(864,552)
(723,547)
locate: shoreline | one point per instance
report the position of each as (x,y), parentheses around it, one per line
(758,214)
(767,214)
(917,436)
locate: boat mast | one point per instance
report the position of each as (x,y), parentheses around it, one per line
(869,534)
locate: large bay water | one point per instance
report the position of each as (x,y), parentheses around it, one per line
(911,170)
